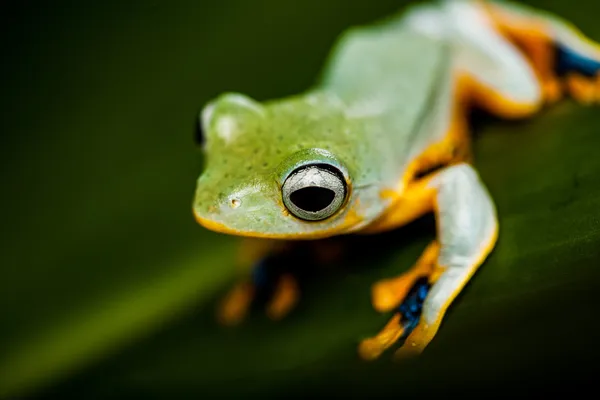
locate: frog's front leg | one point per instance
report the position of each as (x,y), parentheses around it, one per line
(252,260)
(467,232)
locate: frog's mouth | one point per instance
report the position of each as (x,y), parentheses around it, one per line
(260,224)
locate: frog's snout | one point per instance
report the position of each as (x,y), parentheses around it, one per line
(217,214)
(239,210)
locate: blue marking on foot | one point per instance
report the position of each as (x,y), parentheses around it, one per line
(412,306)
(567,60)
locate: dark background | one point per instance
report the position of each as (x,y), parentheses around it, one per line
(107,285)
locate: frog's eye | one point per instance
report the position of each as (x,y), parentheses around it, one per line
(199,135)
(314,192)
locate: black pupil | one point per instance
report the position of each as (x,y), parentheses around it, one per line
(312,198)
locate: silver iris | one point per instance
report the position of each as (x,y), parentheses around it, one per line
(314,192)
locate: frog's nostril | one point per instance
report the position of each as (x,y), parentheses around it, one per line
(235,203)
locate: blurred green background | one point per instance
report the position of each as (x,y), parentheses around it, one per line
(107,285)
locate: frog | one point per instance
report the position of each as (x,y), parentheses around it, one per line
(382,138)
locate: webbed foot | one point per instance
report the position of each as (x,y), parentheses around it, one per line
(402,325)
(580,72)
(467,233)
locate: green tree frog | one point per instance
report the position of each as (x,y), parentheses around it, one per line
(381,139)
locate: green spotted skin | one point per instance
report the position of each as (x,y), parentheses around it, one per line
(364,115)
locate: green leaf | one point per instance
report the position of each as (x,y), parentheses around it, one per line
(107,284)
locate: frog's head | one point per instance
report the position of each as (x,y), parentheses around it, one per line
(275,169)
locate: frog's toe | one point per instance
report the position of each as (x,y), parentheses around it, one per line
(583,89)
(371,348)
(234,307)
(552,89)
(416,342)
(284,298)
(388,294)
(400,325)
(580,72)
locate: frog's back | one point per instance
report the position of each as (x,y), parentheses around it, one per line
(392,78)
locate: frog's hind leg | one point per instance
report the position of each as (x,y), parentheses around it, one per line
(565,60)
(490,71)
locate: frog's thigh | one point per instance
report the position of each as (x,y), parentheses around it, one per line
(530,34)
(498,76)
(492,72)
(467,232)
